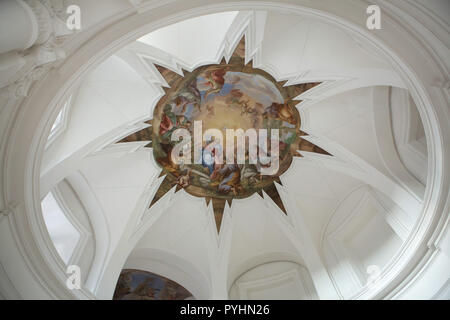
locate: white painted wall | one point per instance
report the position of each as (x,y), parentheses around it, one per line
(193,40)
(113,95)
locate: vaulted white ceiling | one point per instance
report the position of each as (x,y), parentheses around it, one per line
(370,176)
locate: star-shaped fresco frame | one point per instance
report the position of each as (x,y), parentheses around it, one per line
(182,93)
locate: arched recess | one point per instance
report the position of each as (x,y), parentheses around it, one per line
(397,42)
(386,145)
(275,280)
(409,134)
(361,236)
(271,271)
(99,225)
(69,227)
(332,124)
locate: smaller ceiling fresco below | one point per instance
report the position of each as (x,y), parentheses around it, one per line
(143,285)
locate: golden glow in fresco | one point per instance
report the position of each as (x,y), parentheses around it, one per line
(229,95)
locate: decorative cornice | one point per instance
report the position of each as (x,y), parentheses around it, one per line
(39,60)
(43,17)
(7,211)
(45,50)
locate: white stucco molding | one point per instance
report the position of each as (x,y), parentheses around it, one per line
(385,142)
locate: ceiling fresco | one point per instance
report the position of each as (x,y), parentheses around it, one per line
(143,285)
(229,95)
